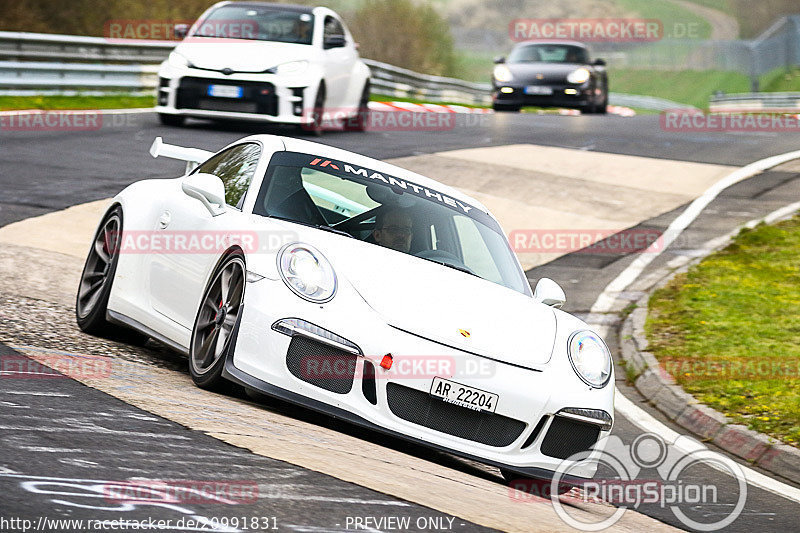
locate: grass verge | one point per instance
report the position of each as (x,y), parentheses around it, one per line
(9,103)
(729,330)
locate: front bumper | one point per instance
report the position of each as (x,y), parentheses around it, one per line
(264,97)
(563,95)
(518,436)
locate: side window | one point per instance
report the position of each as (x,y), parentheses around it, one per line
(332,28)
(235,167)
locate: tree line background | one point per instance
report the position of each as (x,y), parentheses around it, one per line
(400,32)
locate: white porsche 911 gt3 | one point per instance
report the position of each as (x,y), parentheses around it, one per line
(259,61)
(356,288)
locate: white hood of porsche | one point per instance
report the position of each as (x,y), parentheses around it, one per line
(240,55)
(436,302)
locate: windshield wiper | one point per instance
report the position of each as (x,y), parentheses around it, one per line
(331,229)
(456,267)
(323,227)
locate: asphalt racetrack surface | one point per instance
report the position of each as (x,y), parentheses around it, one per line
(42,172)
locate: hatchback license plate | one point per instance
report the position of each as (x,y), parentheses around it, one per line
(464,396)
(225,91)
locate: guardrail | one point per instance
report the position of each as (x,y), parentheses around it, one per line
(31,61)
(756,103)
(47,63)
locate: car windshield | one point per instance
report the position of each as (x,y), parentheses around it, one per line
(257,23)
(548,53)
(388,211)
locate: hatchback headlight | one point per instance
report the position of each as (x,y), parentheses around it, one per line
(502,73)
(292,67)
(578,76)
(590,358)
(307,273)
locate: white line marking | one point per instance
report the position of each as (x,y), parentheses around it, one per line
(93,429)
(132,111)
(606,299)
(642,418)
(605,302)
(32,393)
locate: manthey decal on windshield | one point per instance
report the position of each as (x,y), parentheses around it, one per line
(392,181)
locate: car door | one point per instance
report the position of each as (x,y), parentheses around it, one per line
(191,235)
(339,62)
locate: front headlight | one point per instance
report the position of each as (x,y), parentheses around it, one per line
(176,60)
(292,67)
(307,273)
(502,73)
(578,75)
(590,358)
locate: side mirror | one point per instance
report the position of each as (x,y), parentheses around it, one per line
(599,62)
(500,59)
(208,189)
(334,41)
(180,30)
(549,293)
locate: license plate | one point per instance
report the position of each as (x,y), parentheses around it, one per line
(538,89)
(225,91)
(464,396)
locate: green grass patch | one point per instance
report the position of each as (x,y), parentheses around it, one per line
(678,22)
(685,87)
(387,98)
(9,103)
(729,329)
(781,80)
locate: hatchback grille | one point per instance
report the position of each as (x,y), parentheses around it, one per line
(421,408)
(257,97)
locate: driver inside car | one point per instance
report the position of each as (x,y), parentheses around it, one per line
(394,229)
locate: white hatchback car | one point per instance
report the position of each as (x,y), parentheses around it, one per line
(265,62)
(357,288)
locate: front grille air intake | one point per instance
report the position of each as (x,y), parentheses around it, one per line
(321,365)
(421,408)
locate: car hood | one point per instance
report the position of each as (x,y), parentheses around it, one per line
(447,306)
(240,55)
(549,72)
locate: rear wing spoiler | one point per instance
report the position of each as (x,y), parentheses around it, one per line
(192,156)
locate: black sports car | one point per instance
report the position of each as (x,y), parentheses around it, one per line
(550,74)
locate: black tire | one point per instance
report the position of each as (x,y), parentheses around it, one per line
(317,113)
(206,354)
(506,108)
(97,278)
(360,121)
(171,120)
(603,109)
(91,301)
(534,486)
